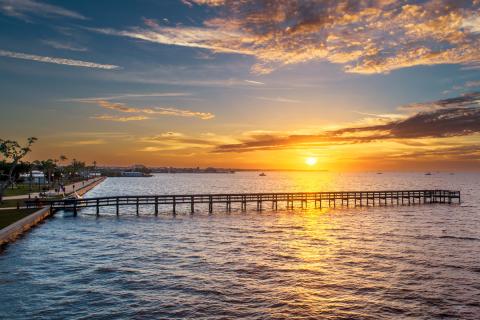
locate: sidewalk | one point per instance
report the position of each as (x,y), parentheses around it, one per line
(68,189)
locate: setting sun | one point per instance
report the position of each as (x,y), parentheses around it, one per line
(311,161)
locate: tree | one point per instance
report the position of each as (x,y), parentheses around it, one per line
(47,167)
(12,152)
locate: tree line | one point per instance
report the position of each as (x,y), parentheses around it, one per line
(55,171)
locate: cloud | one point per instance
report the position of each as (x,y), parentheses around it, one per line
(55,60)
(195,37)
(472,84)
(450,118)
(151,111)
(130,96)
(107,117)
(254,82)
(64,46)
(89,142)
(366,37)
(465,100)
(279,99)
(22,9)
(169,141)
(465,152)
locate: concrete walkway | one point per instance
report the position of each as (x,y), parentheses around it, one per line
(68,189)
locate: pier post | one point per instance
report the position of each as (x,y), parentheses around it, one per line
(210,204)
(229,204)
(98,207)
(137,207)
(259,203)
(156,206)
(75,208)
(118,206)
(174,205)
(192,205)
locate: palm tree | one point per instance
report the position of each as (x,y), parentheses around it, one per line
(48,167)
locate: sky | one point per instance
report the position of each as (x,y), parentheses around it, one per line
(354,85)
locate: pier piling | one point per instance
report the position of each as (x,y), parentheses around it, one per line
(356,198)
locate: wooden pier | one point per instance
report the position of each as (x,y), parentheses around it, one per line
(302,199)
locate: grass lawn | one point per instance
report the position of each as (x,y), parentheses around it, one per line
(21,189)
(24,188)
(11,203)
(8,217)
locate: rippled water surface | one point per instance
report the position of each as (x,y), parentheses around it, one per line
(406,262)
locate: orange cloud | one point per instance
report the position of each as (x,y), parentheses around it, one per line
(165,111)
(107,117)
(444,119)
(365,36)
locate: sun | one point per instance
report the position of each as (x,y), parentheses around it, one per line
(311,161)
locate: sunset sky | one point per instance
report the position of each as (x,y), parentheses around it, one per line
(355,85)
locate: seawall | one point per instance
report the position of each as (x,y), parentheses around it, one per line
(13,231)
(90,186)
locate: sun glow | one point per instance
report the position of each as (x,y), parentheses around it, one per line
(311,161)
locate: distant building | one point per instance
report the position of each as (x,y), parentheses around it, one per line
(132,174)
(36,177)
(94,174)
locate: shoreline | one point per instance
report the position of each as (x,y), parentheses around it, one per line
(11,233)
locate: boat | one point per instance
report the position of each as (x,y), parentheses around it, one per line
(262,174)
(428,174)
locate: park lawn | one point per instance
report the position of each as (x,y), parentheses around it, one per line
(22,189)
(7,217)
(11,203)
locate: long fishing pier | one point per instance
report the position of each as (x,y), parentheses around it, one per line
(318,199)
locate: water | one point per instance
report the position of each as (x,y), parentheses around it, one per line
(407,262)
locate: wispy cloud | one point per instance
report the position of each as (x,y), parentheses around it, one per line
(254,82)
(279,99)
(23,9)
(64,46)
(195,37)
(130,96)
(463,87)
(462,152)
(169,141)
(56,60)
(449,118)
(151,111)
(89,142)
(365,36)
(107,117)
(466,100)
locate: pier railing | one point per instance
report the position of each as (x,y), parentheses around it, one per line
(319,199)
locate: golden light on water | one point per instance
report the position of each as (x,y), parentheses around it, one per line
(311,161)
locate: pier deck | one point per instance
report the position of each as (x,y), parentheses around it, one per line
(318,199)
